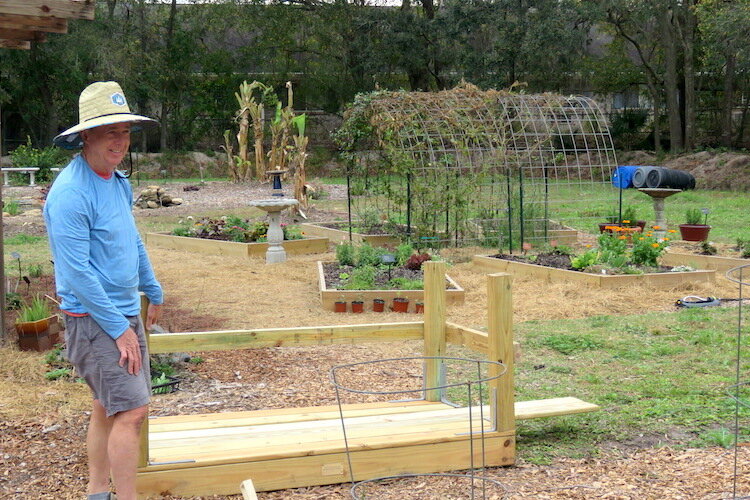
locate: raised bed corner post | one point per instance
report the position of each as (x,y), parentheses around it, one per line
(500,349)
(143,455)
(434,327)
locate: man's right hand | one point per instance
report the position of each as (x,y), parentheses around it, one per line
(130,351)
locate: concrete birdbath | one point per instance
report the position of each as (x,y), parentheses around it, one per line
(275,235)
(658,195)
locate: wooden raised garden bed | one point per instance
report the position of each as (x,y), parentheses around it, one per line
(337,235)
(720,264)
(328,296)
(551,275)
(219,247)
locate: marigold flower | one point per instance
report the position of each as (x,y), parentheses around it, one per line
(641,238)
(657,227)
(655,245)
(626,222)
(671,230)
(622,237)
(666,239)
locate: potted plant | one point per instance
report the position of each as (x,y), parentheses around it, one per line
(36,326)
(693,230)
(378,305)
(358,306)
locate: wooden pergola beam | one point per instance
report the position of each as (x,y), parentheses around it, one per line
(33,23)
(15,44)
(31,36)
(67,9)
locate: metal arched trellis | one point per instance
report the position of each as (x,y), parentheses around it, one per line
(472,167)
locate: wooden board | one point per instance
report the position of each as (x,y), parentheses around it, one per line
(552,275)
(338,235)
(69,9)
(277,337)
(233,248)
(720,264)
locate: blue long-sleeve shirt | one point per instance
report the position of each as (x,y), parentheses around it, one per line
(100,260)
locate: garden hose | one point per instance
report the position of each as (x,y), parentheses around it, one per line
(695,301)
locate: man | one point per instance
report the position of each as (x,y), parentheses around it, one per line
(100,266)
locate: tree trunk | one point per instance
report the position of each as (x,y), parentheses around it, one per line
(656,109)
(728,101)
(670,84)
(688,27)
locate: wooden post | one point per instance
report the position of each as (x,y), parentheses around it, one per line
(500,348)
(434,326)
(143,455)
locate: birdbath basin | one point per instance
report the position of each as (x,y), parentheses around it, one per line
(658,195)
(275,235)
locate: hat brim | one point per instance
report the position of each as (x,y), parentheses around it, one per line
(71,138)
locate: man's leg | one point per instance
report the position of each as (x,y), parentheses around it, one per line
(123,447)
(96,443)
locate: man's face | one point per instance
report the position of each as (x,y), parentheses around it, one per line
(105,146)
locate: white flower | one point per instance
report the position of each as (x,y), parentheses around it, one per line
(189,217)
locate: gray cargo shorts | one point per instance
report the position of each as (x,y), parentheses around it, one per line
(96,356)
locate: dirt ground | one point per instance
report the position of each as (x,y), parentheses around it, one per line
(43,423)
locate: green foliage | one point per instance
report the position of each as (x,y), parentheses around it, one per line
(38,309)
(345,254)
(406,284)
(35,270)
(570,344)
(718,437)
(586,259)
(693,216)
(707,248)
(403,252)
(646,251)
(367,255)
(362,278)
(23,239)
(27,156)
(743,246)
(11,207)
(13,301)
(161,379)
(58,373)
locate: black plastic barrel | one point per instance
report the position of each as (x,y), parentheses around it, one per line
(640,174)
(669,178)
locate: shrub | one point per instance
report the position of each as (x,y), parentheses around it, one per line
(11,207)
(27,156)
(403,252)
(406,284)
(585,260)
(362,278)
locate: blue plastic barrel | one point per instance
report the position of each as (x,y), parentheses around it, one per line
(623,176)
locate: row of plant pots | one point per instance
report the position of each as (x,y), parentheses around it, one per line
(399,304)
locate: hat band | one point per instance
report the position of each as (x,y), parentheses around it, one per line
(102,116)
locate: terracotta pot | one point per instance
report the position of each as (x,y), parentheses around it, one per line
(40,335)
(378,305)
(358,306)
(339,307)
(400,305)
(419,308)
(694,232)
(603,225)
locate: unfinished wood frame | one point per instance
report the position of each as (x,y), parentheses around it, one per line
(295,447)
(26,21)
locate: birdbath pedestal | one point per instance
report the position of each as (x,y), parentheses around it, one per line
(275,235)
(658,195)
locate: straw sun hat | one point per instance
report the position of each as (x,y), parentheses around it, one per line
(101,103)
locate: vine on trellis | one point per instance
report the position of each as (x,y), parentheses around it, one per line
(471,166)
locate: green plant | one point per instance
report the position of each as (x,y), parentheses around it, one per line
(612,249)
(629,216)
(27,156)
(646,251)
(707,248)
(743,246)
(362,278)
(196,360)
(58,373)
(161,379)
(345,254)
(13,301)
(11,207)
(35,270)
(569,344)
(403,252)
(586,259)
(367,255)
(693,216)
(291,232)
(38,309)
(406,284)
